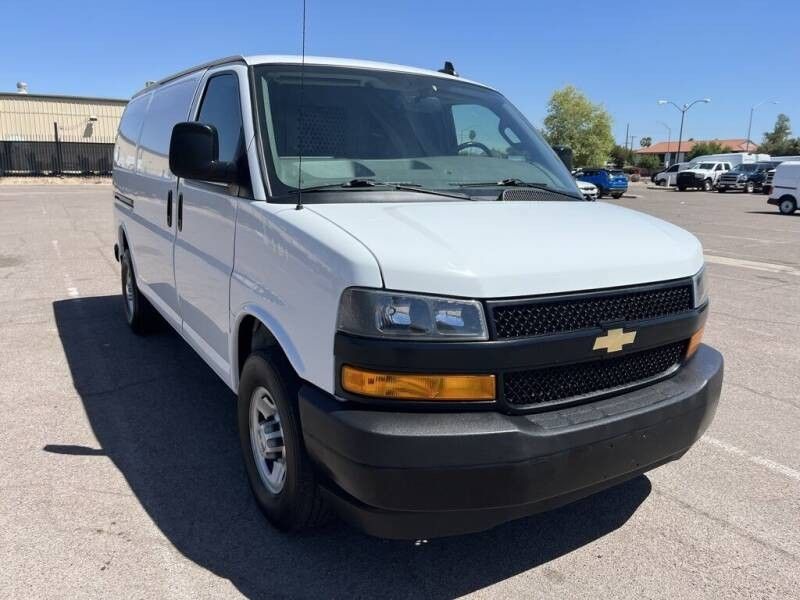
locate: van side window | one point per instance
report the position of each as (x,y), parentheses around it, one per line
(222,109)
(128,135)
(170,105)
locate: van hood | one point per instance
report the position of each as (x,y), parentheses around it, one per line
(505,249)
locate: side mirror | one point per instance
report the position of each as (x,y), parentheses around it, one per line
(194,154)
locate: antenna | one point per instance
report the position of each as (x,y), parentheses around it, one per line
(300,116)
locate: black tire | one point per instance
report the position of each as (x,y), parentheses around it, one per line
(787,205)
(721,190)
(708,185)
(681,188)
(139,312)
(661,182)
(599,193)
(749,187)
(616,196)
(299,503)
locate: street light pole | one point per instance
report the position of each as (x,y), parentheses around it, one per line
(683,110)
(669,139)
(750,123)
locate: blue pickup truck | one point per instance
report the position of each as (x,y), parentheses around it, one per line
(609,182)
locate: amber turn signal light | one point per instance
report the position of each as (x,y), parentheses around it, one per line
(429,388)
(694,342)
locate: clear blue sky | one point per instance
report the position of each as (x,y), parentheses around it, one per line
(625,55)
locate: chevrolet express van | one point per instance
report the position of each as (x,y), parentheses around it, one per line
(785,190)
(428,328)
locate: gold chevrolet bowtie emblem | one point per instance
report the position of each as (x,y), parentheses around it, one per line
(614,340)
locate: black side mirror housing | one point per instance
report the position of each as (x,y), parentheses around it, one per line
(194,154)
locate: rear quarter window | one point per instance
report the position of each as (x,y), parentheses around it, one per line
(128,134)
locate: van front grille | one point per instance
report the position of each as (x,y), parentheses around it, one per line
(567,382)
(528,318)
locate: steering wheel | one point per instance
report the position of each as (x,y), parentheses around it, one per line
(482,147)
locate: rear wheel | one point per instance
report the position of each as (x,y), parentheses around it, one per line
(721,190)
(278,468)
(616,196)
(138,311)
(681,188)
(787,205)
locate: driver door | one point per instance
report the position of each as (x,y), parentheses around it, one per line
(206,223)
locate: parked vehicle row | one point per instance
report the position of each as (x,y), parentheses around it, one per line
(779,179)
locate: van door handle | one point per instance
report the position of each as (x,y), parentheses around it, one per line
(169,208)
(180,212)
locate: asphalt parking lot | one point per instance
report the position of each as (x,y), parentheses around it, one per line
(121,475)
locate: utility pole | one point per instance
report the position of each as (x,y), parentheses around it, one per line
(668,163)
(627,129)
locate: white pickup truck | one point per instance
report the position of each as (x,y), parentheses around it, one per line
(428,329)
(701,175)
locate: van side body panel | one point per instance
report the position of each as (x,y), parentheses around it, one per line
(291,268)
(149,184)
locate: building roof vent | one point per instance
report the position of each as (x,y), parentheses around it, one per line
(22,87)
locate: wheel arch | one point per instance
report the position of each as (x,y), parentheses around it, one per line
(255,328)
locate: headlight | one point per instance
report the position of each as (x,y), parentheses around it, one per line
(378,313)
(700,288)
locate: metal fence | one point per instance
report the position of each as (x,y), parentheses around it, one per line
(56,156)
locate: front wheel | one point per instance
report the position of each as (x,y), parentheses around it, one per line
(749,187)
(681,188)
(708,185)
(616,196)
(278,468)
(721,190)
(787,205)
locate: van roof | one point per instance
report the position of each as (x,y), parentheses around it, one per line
(272,59)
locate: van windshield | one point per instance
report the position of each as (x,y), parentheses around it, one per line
(394,127)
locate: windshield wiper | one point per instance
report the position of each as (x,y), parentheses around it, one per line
(510,182)
(359,182)
(363,182)
(514,182)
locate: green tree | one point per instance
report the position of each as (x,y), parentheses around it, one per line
(621,156)
(649,161)
(779,142)
(573,120)
(703,148)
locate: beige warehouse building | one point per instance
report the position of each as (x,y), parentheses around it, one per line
(43,134)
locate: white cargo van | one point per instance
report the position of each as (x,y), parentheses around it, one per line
(428,328)
(785,190)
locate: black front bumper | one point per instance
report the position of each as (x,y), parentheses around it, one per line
(410,475)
